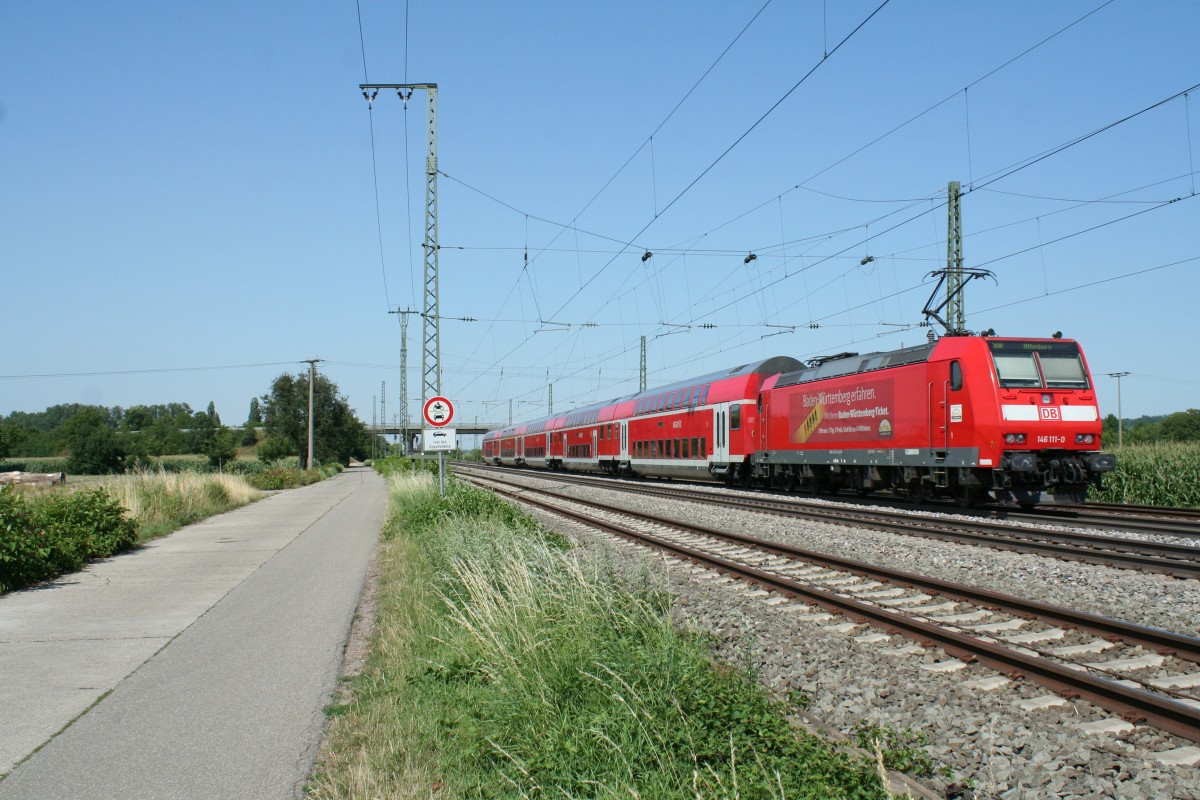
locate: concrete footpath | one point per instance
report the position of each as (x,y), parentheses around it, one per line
(197,666)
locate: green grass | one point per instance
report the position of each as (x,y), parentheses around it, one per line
(505,665)
(1163,474)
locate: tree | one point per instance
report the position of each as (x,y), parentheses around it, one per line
(249,435)
(256,414)
(210,439)
(92,443)
(1182,426)
(8,435)
(338,435)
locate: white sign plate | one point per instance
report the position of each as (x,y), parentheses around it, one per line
(438,440)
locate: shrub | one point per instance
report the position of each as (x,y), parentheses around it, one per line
(275,448)
(46,535)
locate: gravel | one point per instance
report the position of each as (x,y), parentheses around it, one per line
(984,743)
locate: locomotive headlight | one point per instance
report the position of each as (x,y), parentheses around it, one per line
(1085,438)
(1014,438)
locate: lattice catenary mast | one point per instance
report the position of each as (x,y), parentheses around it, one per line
(431,368)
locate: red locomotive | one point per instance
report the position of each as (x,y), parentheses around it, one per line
(967,417)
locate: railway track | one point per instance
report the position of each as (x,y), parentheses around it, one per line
(1073,654)
(1178,560)
(1150,520)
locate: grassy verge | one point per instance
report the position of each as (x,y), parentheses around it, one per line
(1164,474)
(504,666)
(49,532)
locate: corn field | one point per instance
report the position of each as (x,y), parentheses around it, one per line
(1162,474)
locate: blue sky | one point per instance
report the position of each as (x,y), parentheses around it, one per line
(188,205)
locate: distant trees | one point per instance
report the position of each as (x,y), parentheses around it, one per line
(94,436)
(338,434)
(1182,426)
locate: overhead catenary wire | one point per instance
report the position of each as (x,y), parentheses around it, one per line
(784,260)
(986,75)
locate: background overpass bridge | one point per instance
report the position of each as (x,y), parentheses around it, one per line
(463,428)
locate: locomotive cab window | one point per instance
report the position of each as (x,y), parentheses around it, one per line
(1063,371)
(1039,365)
(956,376)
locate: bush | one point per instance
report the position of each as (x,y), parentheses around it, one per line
(46,535)
(291,477)
(275,448)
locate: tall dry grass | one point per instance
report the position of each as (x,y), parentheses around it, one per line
(161,502)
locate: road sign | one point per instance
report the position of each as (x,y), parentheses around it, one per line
(438,412)
(438,440)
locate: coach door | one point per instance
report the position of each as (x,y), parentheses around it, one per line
(720,437)
(624,441)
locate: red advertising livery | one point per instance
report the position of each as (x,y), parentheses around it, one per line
(968,417)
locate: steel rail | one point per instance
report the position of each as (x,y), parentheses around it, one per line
(1132,704)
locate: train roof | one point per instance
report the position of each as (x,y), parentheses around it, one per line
(851,363)
(770,366)
(590,414)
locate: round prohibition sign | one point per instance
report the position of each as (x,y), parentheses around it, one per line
(438,411)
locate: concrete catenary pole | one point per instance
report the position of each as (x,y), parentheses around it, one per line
(312,376)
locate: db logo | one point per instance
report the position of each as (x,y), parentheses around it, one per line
(1050,413)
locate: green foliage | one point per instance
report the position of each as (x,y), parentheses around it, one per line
(533,673)
(1163,474)
(8,438)
(249,436)
(221,448)
(275,448)
(338,435)
(93,445)
(274,478)
(42,536)
(1182,426)
(902,750)
(35,465)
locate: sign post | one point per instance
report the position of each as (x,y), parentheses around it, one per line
(438,413)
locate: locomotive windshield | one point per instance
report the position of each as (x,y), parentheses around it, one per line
(1039,365)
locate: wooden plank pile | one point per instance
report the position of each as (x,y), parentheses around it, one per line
(33,478)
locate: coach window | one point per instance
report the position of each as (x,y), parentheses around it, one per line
(735,417)
(956,376)
(704,394)
(704,447)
